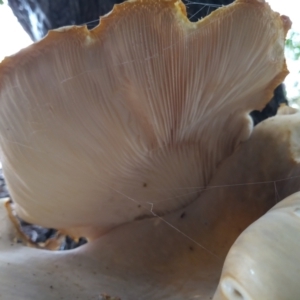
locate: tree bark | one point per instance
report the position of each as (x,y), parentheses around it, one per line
(39,16)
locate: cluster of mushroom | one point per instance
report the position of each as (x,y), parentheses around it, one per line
(137,136)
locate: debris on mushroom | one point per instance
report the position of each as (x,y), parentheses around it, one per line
(137,136)
(107,297)
(40,237)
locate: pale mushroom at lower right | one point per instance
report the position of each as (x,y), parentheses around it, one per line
(264,262)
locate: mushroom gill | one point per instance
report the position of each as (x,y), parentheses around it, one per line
(102,127)
(121,128)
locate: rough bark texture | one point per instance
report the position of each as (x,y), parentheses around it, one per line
(271,109)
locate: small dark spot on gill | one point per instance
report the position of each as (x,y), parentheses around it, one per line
(139,206)
(182,215)
(141,217)
(145,184)
(191,248)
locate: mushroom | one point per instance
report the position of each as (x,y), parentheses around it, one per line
(264,261)
(135,135)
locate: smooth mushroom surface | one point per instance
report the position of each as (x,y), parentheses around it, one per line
(264,261)
(136,135)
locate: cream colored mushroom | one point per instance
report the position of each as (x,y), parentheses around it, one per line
(114,133)
(109,120)
(264,261)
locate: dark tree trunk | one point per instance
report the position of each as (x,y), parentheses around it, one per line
(271,109)
(39,16)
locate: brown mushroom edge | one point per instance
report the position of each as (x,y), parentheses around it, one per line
(36,236)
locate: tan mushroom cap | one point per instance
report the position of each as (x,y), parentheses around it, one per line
(102,127)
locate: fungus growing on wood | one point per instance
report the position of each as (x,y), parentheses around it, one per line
(116,133)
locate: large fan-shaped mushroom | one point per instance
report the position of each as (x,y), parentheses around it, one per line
(124,126)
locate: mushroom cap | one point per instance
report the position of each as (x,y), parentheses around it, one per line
(127,121)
